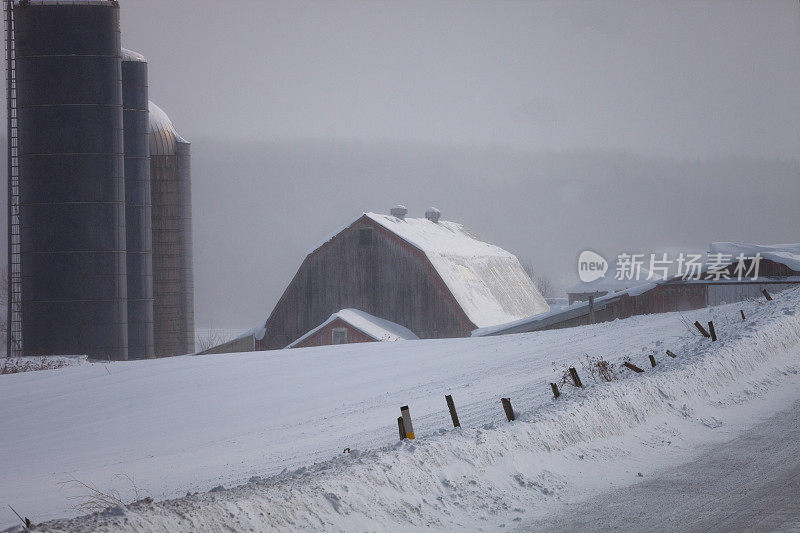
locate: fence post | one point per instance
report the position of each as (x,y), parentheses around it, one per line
(711,330)
(591,309)
(452,407)
(575,379)
(407,427)
(400,427)
(702,329)
(556,394)
(508,409)
(652,361)
(631,366)
(671,354)
(742,311)
(766,295)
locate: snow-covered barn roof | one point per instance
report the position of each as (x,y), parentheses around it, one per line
(609,283)
(488,282)
(565,313)
(787,254)
(377,328)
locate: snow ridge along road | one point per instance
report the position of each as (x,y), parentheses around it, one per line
(194,423)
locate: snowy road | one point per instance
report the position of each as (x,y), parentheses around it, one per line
(751,483)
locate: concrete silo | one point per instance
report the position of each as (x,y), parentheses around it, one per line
(173,282)
(139,258)
(66,180)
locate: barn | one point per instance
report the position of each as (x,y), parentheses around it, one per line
(431,276)
(353,325)
(581,291)
(779,269)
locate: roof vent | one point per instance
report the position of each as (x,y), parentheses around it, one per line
(433,214)
(399,211)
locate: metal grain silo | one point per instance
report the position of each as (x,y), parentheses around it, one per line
(135,117)
(173,286)
(71,190)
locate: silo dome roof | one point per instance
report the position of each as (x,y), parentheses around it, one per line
(162,132)
(130,55)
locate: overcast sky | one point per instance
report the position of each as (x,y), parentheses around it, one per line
(686,79)
(545,127)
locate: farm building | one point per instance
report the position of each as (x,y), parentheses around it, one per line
(431,276)
(779,269)
(581,291)
(245,342)
(352,325)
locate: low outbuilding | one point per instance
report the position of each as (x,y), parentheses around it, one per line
(350,326)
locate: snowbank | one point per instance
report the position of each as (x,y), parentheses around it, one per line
(487,474)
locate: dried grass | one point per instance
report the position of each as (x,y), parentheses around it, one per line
(94,500)
(15,365)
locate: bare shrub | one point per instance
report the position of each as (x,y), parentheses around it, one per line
(545,286)
(210,339)
(542,282)
(566,377)
(599,368)
(94,500)
(30,364)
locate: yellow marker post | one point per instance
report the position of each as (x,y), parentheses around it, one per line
(407,422)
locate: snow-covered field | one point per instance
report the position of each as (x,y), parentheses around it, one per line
(274,426)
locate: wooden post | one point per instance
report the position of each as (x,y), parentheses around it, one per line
(575,379)
(591,309)
(633,367)
(702,329)
(671,354)
(400,427)
(766,295)
(508,409)
(556,394)
(26,521)
(652,361)
(407,427)
(742,311)
(452,407)
(711,330)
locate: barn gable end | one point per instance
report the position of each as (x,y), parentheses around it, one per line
(385,277)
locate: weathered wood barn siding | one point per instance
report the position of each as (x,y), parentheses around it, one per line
(721,293)
(324,337)
(660,299)
(387,278)
(770,274)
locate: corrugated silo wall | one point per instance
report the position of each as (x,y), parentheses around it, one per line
(184,150)
(137,207)
(172,252)
(72,193)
